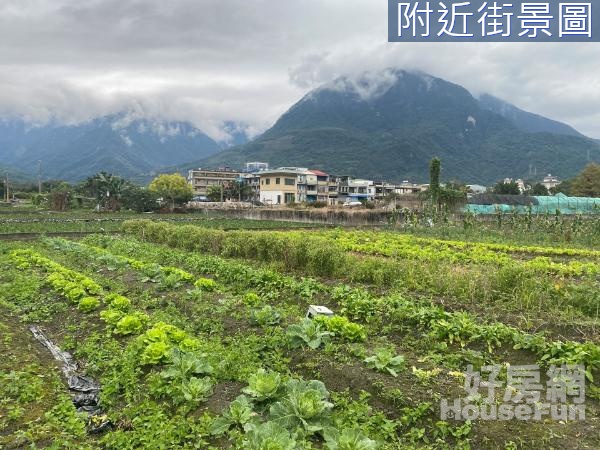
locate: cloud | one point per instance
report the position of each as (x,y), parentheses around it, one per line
(217,61)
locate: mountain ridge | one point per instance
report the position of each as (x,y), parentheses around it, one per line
(392,129)
(117,143)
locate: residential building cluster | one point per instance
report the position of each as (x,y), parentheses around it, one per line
(549,182)
(289,185)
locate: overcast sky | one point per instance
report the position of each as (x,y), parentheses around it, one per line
(210,61)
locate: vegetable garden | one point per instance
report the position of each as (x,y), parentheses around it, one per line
(199,338)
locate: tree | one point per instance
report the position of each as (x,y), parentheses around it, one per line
(215,193)
(240,191)
(564,187)
(172,188)
(106,188)
(139,199)
(511,188)
(587,183)
(450,196)
(435,167)
(539,189)
(234,190)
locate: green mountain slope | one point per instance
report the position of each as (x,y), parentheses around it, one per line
(389,127)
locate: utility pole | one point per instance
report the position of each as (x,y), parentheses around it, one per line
(6,188)
(40,176)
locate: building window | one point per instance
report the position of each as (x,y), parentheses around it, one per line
(268,181)
(290,182)
(290,198)
(277,180)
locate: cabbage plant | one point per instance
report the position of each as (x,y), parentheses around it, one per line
(263,385)
(269,436)
(304,407)
(307,333)
(348,439)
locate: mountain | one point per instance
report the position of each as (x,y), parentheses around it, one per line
(115,143)
(526,121)
(389,125)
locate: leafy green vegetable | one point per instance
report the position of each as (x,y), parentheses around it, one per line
(118,302)
(131,324)
(238,414)
(385,360)
(156,352)
(304,407)
(263,385)
(196,390)
(183,365)
(88,304)
(269,436)
(265,316)
(348,439)
(206,284)
(343,328)
(309,333)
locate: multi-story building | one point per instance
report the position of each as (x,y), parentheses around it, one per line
(406,188)
(283,186)
(550,181)
(332,190)
(252,167)
(355,189)
(252,180)
(317,187)
(202,179)
(383,190)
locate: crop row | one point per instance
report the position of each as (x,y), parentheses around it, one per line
(317,254)
(422,249)
(462,328)
(451,327)
(273,409)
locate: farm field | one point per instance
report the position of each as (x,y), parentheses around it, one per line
(86,222)
(197,337)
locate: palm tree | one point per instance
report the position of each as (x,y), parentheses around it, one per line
(107,188)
